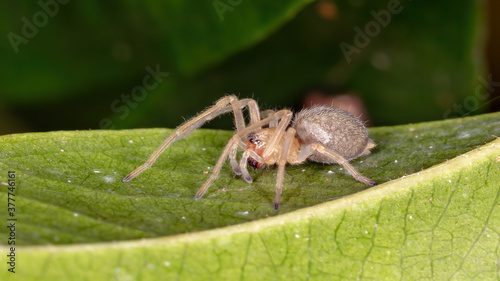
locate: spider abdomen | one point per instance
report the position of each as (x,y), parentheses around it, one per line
(333,128)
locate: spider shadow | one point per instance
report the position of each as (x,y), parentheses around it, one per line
(264,186)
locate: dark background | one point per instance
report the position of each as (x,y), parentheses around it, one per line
(68,76)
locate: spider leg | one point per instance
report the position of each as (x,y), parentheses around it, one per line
(310,149)
(253,109)
(279,185)
(232,145)
(289,136)
(224,105)
(280,130)
(232,157)
(267,113)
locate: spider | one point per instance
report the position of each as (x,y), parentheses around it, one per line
(321,134)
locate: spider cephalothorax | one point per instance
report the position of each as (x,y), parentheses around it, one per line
(322,134)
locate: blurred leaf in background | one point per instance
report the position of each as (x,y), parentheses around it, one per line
(78,65)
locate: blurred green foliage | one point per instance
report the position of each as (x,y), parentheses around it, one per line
(76,59)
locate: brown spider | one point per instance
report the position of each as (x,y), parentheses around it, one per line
(322,134)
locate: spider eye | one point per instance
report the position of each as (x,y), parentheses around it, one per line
(253,138)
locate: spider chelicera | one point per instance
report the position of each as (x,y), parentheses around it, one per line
(321,134)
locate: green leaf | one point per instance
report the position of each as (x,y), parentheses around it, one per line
(439,222)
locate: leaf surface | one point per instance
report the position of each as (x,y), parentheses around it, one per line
(428,218)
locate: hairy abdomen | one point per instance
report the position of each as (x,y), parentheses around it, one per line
(333,128)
